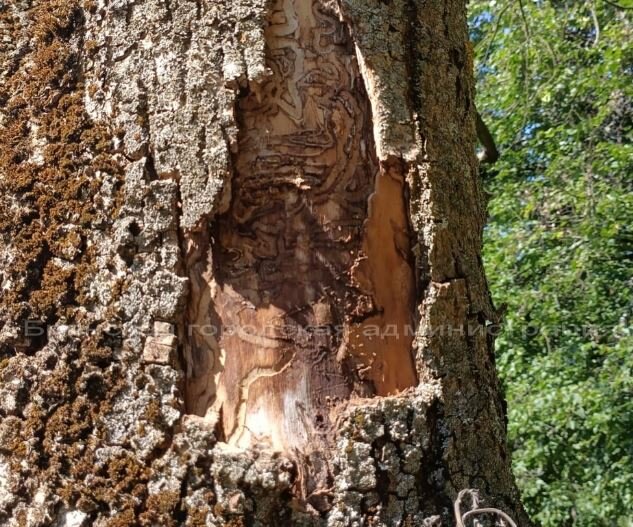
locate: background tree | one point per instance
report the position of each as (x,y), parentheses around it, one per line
(555,86)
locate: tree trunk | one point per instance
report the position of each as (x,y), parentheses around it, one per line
(241,271)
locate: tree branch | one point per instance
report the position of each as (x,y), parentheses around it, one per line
(489,154)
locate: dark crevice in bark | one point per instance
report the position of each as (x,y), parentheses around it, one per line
(383,479)
(180,511)
(150,168)
(131,49)
(432,480)
(412,39)
(169,16)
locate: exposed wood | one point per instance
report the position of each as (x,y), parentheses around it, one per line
(310,277)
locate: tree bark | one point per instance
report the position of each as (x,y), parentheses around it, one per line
(241,266)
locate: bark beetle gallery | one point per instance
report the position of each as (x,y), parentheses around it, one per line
(313,251)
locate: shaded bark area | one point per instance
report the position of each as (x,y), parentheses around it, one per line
(222,145)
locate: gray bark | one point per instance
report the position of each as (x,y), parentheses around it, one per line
(118,141)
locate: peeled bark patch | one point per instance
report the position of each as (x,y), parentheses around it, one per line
(309,292)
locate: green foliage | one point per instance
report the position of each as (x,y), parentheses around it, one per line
(555,86)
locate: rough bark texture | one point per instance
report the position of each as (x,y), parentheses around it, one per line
(207,208)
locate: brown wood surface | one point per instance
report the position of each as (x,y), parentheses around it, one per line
(312,287)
